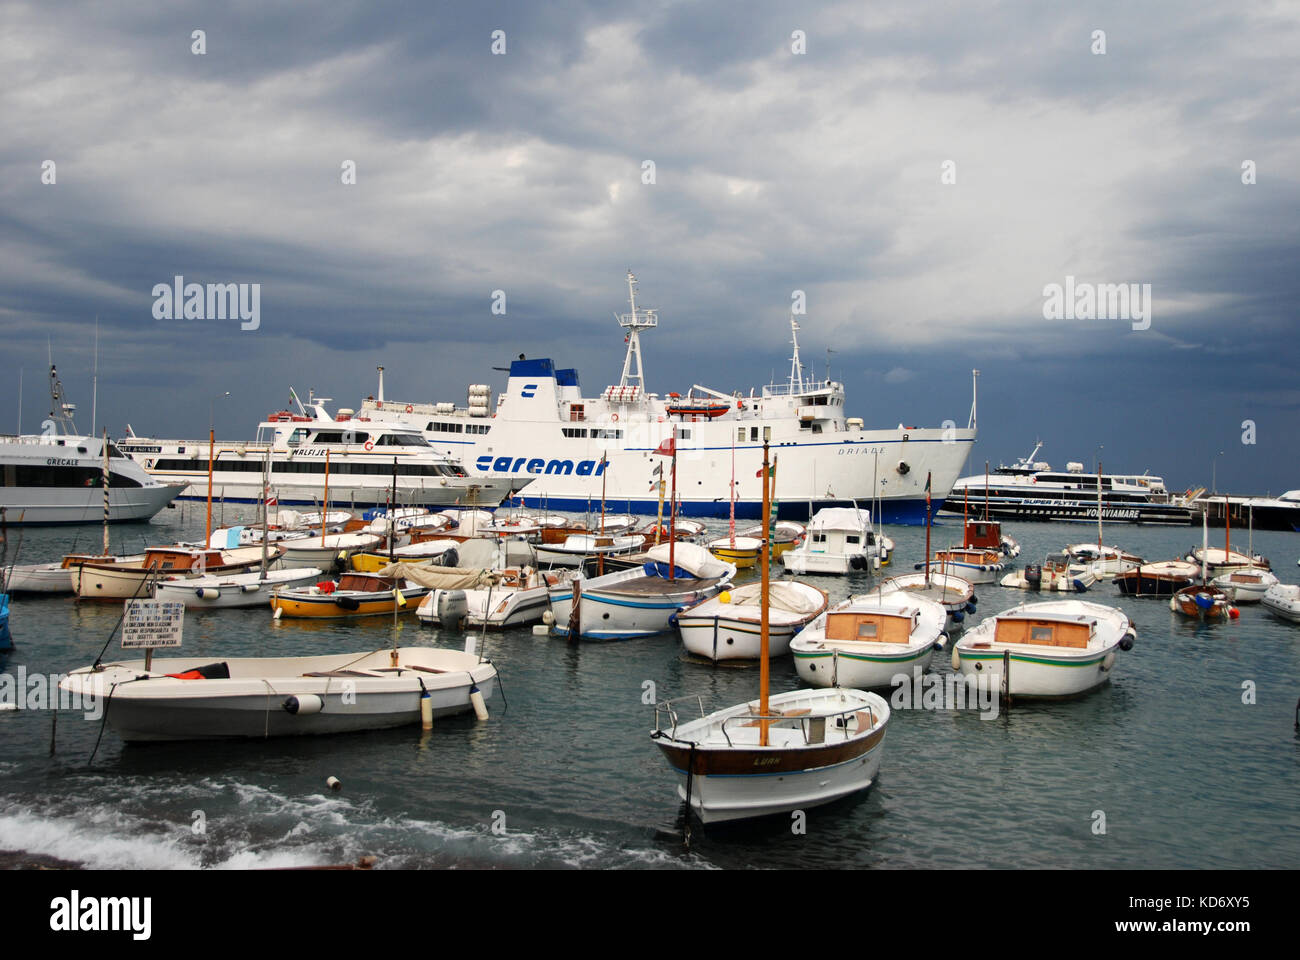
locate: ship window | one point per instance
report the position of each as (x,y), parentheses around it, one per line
(867,631)
(851,538)
(576,412)
(1040,634)
(683,434)
(740,434)
(574,431)
(819,538)
(753,433)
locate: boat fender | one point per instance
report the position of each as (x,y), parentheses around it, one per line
(957,616)
(1108,661)
(942,642)
(548,618)
(1233,613)
(207,593)
(972,603)
(858,562)
(348,603)
(970,607)
(1126,641)
(426,707)
(304,705)
(956,659)
(250,587)
(333,783)
(476,698)
(875,562)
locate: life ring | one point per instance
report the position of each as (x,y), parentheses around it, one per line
(410,409)
(370,444)
(614,417)
(661,419)
(379,404)
(740,404)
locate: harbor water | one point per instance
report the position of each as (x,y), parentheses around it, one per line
(1188,758)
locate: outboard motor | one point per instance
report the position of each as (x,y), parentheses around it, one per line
(1034,575)
(451,608)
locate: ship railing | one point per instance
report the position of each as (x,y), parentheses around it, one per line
(812,726)
(669,712)
(808,386)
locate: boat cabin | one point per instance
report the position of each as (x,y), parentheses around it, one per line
(175,558)
(984,534)
(874,626)
(365,582)
(1038,630)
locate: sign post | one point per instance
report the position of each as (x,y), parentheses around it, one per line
(147,624)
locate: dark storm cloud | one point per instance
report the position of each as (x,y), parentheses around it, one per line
(774,172)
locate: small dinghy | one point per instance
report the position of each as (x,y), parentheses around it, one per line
(195,698)
(1054,575)
(726,627)
(330,552)
(577,546)
(234,590)
(642,600)
(866,641)
(442,553)
(1203,602)
(135,577)
(741,551)
(1246,584)
(1057,648)
(512,597)
(1283,600)
(955,594)
(976,564)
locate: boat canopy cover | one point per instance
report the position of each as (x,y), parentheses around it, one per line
(840,518)
(692,558)
(782,595)
(227,538)
(439,578)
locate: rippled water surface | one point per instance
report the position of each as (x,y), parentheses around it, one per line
(1185,773)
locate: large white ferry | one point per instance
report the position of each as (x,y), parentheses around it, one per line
(57,476)
(562,448)
(363,458)
(1032,490)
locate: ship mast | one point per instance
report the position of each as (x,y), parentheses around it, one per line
(796,368)
(639,319)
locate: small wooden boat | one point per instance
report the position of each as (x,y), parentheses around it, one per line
(579,545)
(1246,584)
(215,592)
(1162,579)
(976,564)
(1057,648)
(688,531)
(352,595)
(726,627)
(513,597)
(642,600)
(330,552)
(1203,602)
(1283,600)
(866,641)
(442,552)
(195,698)
(743,552)
(55,577)
(955,594)
(785,536)
(128,578)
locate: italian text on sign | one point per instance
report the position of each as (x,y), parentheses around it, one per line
(152,623)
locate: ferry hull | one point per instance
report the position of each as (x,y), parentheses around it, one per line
(39,506)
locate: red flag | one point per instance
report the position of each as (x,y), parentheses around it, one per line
(667,448)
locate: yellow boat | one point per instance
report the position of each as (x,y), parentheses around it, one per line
(428,550)
(745,552)
(352,595)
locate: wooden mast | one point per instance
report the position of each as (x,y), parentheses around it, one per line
(212,439)
(764,671)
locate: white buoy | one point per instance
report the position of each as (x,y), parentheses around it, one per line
(304,704)
(541,630)
(426,711)
(333,783)
(208,593)
(956,659)
(548,618)
(471,645)
(279,612)
(476,698)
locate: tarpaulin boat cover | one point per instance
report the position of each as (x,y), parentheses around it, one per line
(440,578)
(781,596)
(692,558)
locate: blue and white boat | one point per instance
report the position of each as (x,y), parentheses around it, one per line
(643,600)
(557,447)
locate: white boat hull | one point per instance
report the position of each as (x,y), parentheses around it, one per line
(240,590)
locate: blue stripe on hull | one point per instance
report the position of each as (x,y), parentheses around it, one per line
(903,512)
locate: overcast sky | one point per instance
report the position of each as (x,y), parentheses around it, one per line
(774,171)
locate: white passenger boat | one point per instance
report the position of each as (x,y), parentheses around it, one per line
(867,641)
(1032,490)
(1283,600)
(726,627)
(58,477)
(236,590)
(558,445)
(199,698)
(362,458)
(839,541)
(1057,648)
(642,600)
